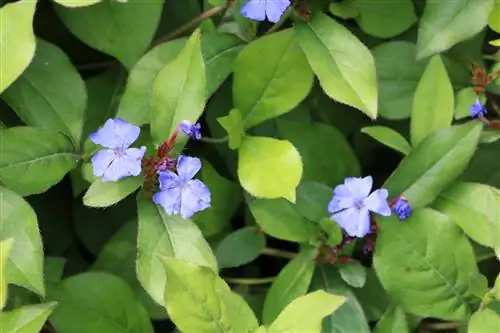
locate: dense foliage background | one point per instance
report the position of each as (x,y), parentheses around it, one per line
(288,110)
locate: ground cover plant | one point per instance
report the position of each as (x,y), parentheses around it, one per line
(259,166)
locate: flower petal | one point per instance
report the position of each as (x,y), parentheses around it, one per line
(187,167)
(137,153)
(168,180)
(105,136)
(101,161)
(169,199)
(254,10)
(195,198)
(355,222)
(377,202)
(275,9)
(126,132)
(116,133)
(118,169)
(359,187)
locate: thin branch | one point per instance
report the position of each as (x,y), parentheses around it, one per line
(278,253)
(250,281)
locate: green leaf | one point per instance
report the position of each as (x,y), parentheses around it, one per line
(354,274)
(486,320)
(372,297)
(280,219)
(434,164)
(344,10)
(199,301)
(168,235)
(266,87)
(494,18)
(107,27)
(325,152)
(379,18)
(312,198)
(27,319)
(394,320)
(347,73)
(350,316)
(53,269)
(476,209)
(5,248)
(433,103)
(104,194)
(398,74)
(240,247)
(33,159)
(305,313)
(445,24)
(97,302)
(50,93)
(292,282)
(388,137)
(18,43)
(226,196)
(269,168)
(332,231)
(426,263)
(233,124)
(464,99)
(78,3)
(18,221)
(178,91)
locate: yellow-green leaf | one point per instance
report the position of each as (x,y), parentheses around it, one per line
(5,247)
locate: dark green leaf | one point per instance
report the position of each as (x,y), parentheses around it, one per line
(240,247)
(388,137)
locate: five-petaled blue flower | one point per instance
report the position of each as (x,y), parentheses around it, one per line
(402,208)
(478,109)
(192,131)
(181,194)
(259,9)
(352,202)
(118,160)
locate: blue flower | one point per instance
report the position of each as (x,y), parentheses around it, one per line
(192,131)
(352,202)
(258,9)
(402,208)
(118,160)
(181,194)
(478,109)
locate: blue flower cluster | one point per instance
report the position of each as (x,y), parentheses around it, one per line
(352,203)
(478,109)
(259,9)
(179,192)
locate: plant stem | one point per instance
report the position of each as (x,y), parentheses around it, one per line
(442,326)
(282,20)
(485,256)
(215,140)
(278,253)
(250,281)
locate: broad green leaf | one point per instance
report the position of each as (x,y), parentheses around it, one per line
(97,302)
(484,166)
(494,18)
(50,93)
(240,247)
(80,3)
(344,66)
(168,235)
(388,137)
(344,10)
(476,209)
(118,257)
(34,159)
(326,154)
(489,135)
(280,219)
(373,297)
(18,221)
(393,320)
(17,40)
(266,87)
(305,314)
(104,194)
(292,282)
(434,164)
(269,168)
(446,23)
(464,99)
(354,274)
(380,18)
(312,198)
(27,319)
(233,124)
(5,248)
(53,269)
(398,74)
(107,27)
(200,301)
(219,51)
(178,91)
(350,316)
(484,321)
(425,263)
(433,103)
